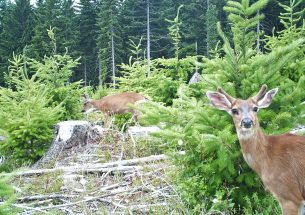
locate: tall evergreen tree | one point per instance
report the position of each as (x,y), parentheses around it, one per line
(47,14)
(134,17)
(61,17)
(68,29)
(109,39)
(17,30)
(135,22)
(192,17)
(87,18)
(160,42)
(211,21)
(3,4)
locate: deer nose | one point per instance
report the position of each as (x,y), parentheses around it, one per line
(246,123)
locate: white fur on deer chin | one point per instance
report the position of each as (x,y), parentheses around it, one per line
(245,133)
(90,110)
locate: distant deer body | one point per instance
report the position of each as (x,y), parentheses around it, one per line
(279,160)
(114,104)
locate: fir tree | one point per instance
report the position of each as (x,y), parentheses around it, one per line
(67,33)
(193,31)
(17,30)
(135,22)
(60,16)
(47,14)
(87,41)
(109,41)
(7,197)
(3,5)
(160,42)
(211,21)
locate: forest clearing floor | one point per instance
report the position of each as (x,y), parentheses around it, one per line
(115,175)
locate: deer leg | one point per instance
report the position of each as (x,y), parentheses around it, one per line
(107,120)
(135,115)
(302,209)
(290,208)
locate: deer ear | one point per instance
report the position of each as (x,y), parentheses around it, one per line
(266,100)
(219,100)
(85,97)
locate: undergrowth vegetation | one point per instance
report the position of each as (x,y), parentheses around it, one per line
(37,96)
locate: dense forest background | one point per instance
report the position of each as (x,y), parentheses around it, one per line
(101,32)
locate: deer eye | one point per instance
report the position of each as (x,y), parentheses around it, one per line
(235,111)
(255,109)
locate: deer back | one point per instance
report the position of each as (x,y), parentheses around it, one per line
(117,103)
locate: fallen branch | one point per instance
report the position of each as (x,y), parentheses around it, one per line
(87,199)
(111,166)
(30,208)
(43,197)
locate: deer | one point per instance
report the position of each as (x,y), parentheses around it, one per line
(114,104)
(279,160)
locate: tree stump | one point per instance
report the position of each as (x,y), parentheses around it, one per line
(67,135)
(195,78)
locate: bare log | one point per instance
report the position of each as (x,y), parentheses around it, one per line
(43,197)
(124,165)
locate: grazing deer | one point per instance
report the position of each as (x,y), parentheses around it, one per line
(114,104)
(279,160)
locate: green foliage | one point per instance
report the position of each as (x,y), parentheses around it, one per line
(47,14)
(165,78)
(17,23)
(38,95)
(158,85)
(211,21)
(100,92)
(109,41)
(7,197)
(25,115)
(291,16)
(212,166)
(174,32)
(261,205)
(294,30)
(134,25)
(87,41)
(192,31)
(122,121)
(55,72)
(61,16)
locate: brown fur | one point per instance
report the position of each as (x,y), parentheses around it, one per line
(279,160)
(115,104)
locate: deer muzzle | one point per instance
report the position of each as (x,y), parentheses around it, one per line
(246,123)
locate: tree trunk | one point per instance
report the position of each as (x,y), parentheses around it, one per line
(99,71)
(85,73)
(258,34)
(196,49)
(113,61)
(148,40)
(68,134)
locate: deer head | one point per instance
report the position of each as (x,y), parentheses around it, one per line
(243,112)
(88,106)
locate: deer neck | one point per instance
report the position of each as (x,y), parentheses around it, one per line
(254,148)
